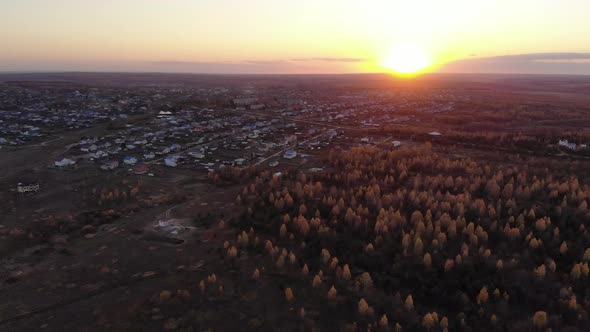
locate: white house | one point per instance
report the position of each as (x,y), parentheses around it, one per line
(566,144)
(22,188)
(64,162)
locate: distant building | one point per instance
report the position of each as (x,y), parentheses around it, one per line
(27,187)
(396,144)
(129,160)
(140,169)
(290,101)
(290,154)
(196,155)
(164,114)
(99,154)
(568,145)
(64,162)
(434,133)
(171,161)
(244,101)
(257,106)
(109,165)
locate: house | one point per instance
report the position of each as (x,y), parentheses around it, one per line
(109,165)
(140,169)
(64,162)
(566,144)
(98,154)
(290,154)
(171,161)
(196,155)
(26,188)
(396,144)
(434,133)
(129,160)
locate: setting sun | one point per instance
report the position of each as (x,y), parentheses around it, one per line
(406,59)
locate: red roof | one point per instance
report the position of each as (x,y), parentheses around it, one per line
(140,169)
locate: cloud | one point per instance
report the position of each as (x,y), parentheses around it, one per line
(331,59)
(183,63)
(265,62)
(534,63)
(255,62)
(282,66)
(204,67)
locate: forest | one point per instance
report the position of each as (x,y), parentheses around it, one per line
(410,239)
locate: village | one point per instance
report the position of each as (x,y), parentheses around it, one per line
(237,190)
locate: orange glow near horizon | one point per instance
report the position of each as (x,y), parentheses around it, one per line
(320,36)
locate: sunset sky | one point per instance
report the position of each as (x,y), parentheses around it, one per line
(276,36)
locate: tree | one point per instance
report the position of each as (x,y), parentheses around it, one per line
(563,248)
(363,307)
(366,280)
(540,320)
(418,247)
(409,303)
(332,293)
(427,260)
(317,281)
(428,321)
(289,294)
(483,296)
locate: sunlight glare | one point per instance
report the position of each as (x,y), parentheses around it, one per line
(407,59)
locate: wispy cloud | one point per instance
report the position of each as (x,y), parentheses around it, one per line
(265,62)
(273,66)
(258,62)
(331,59)
(184,63)
(243,67)
(534,63)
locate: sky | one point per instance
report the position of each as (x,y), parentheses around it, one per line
(303,36)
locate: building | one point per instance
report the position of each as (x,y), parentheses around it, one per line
(28,187)
(171,161)
(568,145)
(244,101)
(64,162)
(140,169)
(109,165)
(129,160)
(290,154)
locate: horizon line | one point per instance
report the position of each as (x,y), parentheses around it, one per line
(18,72)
